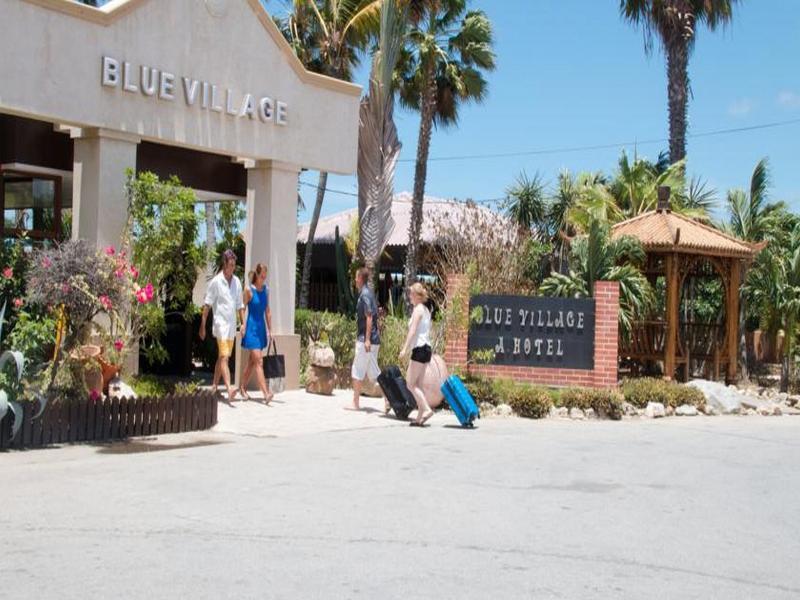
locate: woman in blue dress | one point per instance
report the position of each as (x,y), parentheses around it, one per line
(257,330)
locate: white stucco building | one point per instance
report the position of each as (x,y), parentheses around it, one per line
(207,90)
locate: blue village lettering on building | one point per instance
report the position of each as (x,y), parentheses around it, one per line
(161,84)
(533,331)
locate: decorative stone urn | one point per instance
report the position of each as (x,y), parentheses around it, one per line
(435,375)
(320,375)
(320,380)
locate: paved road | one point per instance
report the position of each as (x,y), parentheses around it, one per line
(678,508)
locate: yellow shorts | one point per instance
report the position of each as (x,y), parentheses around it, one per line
(225,348)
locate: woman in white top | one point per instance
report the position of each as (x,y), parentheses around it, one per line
(418,342)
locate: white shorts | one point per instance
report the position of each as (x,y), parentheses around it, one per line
(365,364)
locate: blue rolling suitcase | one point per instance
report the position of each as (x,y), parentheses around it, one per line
(460,401)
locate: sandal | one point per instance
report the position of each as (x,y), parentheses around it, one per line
(416,424)
(243,394)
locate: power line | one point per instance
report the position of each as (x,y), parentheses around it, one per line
(568,149)
(355,195)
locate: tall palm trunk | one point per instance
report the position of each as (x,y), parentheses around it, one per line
(678,95)
(420,173)
(786,361)
(305,282)
(744,372)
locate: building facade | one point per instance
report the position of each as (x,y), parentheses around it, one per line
(207,90)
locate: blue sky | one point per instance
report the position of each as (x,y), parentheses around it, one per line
(571,73)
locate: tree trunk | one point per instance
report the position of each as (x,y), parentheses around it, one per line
(305,282)
(744,373)
(211,237)
(420,174)
(678,96)
(788,351)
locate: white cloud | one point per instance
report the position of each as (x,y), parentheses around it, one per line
(789,99)
(740,108)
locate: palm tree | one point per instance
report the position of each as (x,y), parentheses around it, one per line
(750,218)
(328,37)
(783,290)
(675,22)
(440,68)
(596,257)
(378,144)
(635,186)
(634,190)
(526,206)
(567,195)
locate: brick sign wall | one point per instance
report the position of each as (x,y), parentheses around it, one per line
(547,341)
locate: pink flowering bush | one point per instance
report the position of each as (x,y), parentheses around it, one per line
(78,283)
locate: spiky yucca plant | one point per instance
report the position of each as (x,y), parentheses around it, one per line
(596,257)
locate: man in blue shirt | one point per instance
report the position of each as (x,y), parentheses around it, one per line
(365,362)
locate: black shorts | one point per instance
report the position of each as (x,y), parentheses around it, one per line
(421,354)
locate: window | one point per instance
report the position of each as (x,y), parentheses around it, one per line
(31,204)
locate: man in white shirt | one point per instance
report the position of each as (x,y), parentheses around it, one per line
(224,298)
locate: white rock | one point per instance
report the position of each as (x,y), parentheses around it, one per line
(777,410)
(669,411)
(576,413)
(726,399)
(686,410)
(590,414)
(119,389)
(503,410)
(486,409)
(748,412)
(628,409)
(709,410)
(654,410)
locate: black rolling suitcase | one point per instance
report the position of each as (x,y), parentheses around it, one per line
(396,391)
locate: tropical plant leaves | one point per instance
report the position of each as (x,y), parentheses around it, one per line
(378,142)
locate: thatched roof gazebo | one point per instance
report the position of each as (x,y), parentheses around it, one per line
(680,249)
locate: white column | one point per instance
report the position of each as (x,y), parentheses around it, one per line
(271,238)
(99,205)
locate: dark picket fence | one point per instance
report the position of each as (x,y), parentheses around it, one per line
(115,419)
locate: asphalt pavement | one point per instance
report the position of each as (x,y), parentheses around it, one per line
(694,507)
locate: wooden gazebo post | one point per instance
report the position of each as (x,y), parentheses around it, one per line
(732,318)
(672,316)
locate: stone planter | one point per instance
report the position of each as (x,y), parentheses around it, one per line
(320,380)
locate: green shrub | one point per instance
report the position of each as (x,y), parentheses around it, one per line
(35,336)
(150,386)
(640,392)
(154,386)
(604,402)
(337,330)
(342,338)
(186,387)
(525,400)
(481,389)
(393,335)
(686,394)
